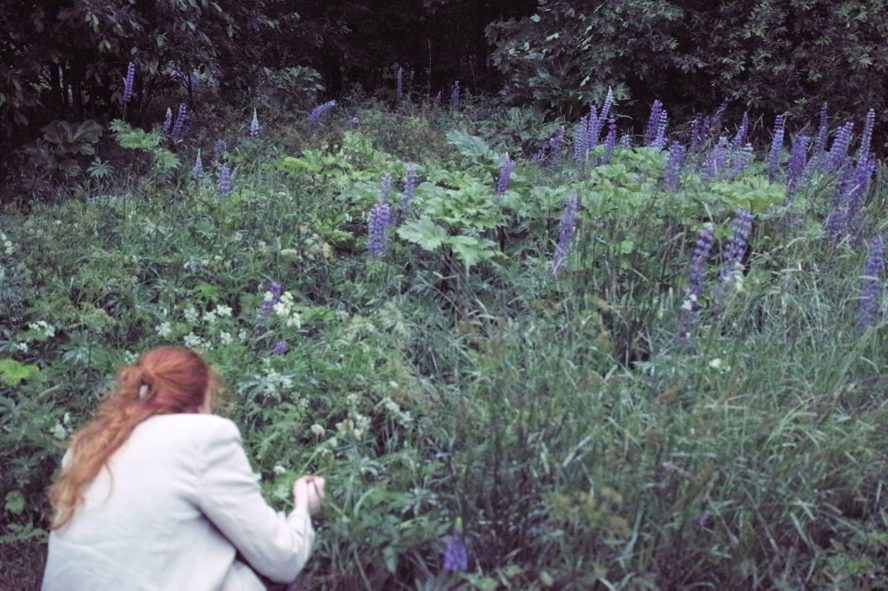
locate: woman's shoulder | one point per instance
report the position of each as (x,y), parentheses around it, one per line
(192,426)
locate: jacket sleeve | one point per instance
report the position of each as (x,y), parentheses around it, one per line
(275,545)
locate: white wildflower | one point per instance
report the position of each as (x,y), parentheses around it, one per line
(317,430)
(164,330)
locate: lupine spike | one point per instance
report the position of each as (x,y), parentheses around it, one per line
(856,189)
(280,348)
(269,301)
(740,137)
(798,162)
(732,265)
(608,104)
(128,82)
(869,308)
(168,120)
(653,124)
(225,182)
(838,152)
(581,141)
(456,555)
(318,112)
(776,148)
(660,138)
(197,172)
(610,142)
(626,141)
(715,164)
(566,230)
(696,283)
(410,182)
(454,95)
(377,228)
(556,145)
(822,131)
(179,125)
(674,164)
(385,186)
(254,125)
(867,135)
(399,83)
(219,149)
(505,175)
(741,158)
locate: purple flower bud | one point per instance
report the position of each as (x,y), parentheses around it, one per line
(410,182)
(674,164)
(354,123)
(653,124)
(179,125)
(377,228)
(456,555)
(798,162)
(280,348)
(318,112)
(565,233)
(581,140)
(732,264)
(869,307)
(606,107)
(454,95)
(740,137)
(740,158)
(822,131)
(851,191)
(593,128)
(225,183)
(696,283)
(610,142)
(168,121)
(197,172)
(659,141)
(505,175)
(715,164)
(399,83)
(626,141)
(776,147)
(128,82)
(254,125)
(271,299)
(838,152)
(867,135)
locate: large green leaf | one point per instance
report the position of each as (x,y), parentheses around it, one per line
(472,250)
(13,373)
(423,232)
(472,147)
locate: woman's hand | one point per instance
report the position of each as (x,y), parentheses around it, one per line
(308,492)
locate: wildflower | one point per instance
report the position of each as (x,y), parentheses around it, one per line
(270,300)
(741,158)
(704,127)
(848,202)
(798,162)
(354,123)
(410,181)
(556,145)
(224,180)
(197,172)
(385,186)
(696,282)
(674,163)
(715,163)
(128,82)
(606,107)
(454,95)
(581,140)
(399,83)
(317,430)
(219,149)
(732,265)
(776,147)
(659,141)
(610,142)
(869,306)
(280,348)
(437,99)
(822,131)
(168,121)
(867,135)
(838,152)
(181,117)
(377,228)
(592,128)
(456,555)
(626,141)
(164,330)
(565,233)
(653,124)
(505,175)
(254,125)
(740,137)
(315,116)
(225,338)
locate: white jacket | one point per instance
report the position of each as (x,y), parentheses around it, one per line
(180,501)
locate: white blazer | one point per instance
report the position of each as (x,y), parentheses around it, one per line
(179,503)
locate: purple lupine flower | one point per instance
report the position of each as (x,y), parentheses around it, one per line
(319,111)
(867,135)
(179,125)
(674,164)
(869,308)
(197,172)
(254,125)
(714,165)
(703,128)
(626,141)
(838,152)
(505,175)
(732,264)
(168,121)
(659,141)
(776,147)
(456,555)
(219,149)
(610,142)
(566,231)
(715,122)
(377,228)
(556,145)
(741,158)
(740,137)
(269,301)
(798,162)
(454,95)
(606,107)
(280,347)
(225,184)
(696,283)
(593,128)
(399,83)
(410,182)
(653,124)
(855,188)
(128,82)
(822,131)
(385,186)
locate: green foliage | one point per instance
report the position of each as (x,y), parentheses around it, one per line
(61,146)
(163,161)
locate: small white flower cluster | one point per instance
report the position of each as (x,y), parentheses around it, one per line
(42,328)
(190,315)
(356,427)
(221,311)
(164,330)
(688,303)
(6,243)
(317,430)
(393,409)
(192,341)
(285,310)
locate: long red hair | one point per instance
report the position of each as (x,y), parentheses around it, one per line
(165,380)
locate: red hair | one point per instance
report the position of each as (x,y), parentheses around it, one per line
(165,380)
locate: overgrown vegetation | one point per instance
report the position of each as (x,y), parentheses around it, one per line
(507,343)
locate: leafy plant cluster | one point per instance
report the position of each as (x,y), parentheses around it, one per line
(456,384)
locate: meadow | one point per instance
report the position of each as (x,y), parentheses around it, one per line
(526,354)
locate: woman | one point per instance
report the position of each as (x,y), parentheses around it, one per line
(157,494)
